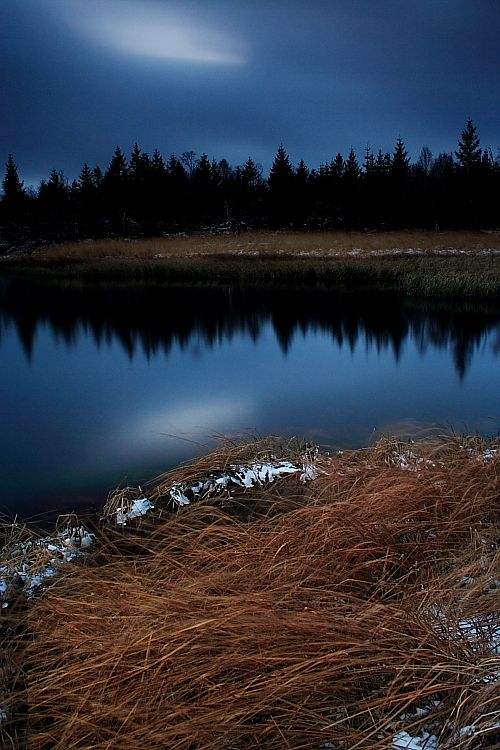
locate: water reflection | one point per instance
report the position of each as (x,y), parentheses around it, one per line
(153,318)
(101,385)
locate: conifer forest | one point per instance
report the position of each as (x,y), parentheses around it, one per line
(144,195)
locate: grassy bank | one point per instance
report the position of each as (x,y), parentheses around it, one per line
(356,609)
(430,263)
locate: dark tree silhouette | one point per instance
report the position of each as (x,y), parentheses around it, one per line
(281,188)
(400,184)
(15,206)
(114,192)
(13,190)
(351,185)
(471,174)
(147,196)
(469,150)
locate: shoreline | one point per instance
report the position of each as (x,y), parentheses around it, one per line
(351,599)
(452,264)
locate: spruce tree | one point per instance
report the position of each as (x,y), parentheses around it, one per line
(14,207)
(469,149)
(12,186)
(86,182)
(470,182)
(337,167)
(158,167)
(352,171)
(115,191)
(281,183)
(350,211)
(400,203)
(117,169)
(281,174)
(98,176)
(54,200)
(84,195)
(177,194)
(369,162)
(251,174)
(400,165)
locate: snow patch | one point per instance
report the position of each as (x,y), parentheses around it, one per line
(405,741)
(410,461)
(257,474)
(32,561)
(139,507)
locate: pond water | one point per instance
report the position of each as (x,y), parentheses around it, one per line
(107,385)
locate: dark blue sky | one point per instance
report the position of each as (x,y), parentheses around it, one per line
(235,78)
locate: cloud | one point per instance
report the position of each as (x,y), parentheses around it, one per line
(148,30)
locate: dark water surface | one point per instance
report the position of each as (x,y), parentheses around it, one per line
(105,385)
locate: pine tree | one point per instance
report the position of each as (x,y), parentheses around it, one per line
(115,193)
(399,181)
(302,173)
(55,204)
(281,174)
(12,186)
(86,185)
(400,165)
(158,167)
(281,183)
(177,194)
(337,167)
(469,150)
(352,171)
(54,193)
(251,174)
(383,162)
(369,162)
(139,165)
(351,183)
(98,176)
(118,167)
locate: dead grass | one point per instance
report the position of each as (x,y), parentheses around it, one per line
(433,264)
(316,244)
(317,622)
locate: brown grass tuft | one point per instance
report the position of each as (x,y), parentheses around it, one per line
(319,622)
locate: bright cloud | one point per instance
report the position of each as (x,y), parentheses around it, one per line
(149,30)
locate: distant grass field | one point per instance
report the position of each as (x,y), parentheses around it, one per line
(314,244)
(423,263)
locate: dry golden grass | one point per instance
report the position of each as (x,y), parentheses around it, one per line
(315,623)
(316,244)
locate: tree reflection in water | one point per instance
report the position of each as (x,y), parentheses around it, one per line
(153,317)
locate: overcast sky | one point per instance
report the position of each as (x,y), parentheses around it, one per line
(235,78)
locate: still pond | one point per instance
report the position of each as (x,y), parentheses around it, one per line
(106,385)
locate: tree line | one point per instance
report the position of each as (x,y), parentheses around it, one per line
(145,195)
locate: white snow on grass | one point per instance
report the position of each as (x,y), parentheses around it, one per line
(481,632)
(404,741)
(139,508)
(32,561)
(489,454)
(410,461)
(183,493)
